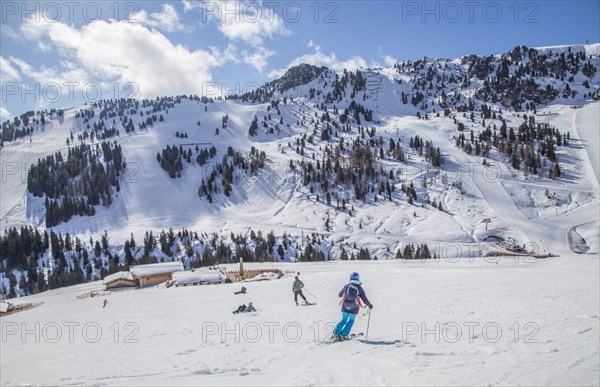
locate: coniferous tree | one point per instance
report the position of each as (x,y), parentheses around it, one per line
(12,284)
(253,130)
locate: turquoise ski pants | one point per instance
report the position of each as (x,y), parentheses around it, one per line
(345,325)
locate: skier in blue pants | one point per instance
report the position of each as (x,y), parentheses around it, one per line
(353,295)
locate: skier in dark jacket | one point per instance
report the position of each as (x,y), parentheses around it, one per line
(297,289)
(353,294)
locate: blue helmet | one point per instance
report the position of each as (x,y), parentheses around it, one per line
(354,276)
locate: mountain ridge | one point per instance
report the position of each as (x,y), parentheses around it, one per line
(422,152)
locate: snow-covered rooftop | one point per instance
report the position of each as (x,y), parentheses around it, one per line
(156,268)
(197,276)
(125,275)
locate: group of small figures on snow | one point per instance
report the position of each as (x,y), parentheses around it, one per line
(353,298)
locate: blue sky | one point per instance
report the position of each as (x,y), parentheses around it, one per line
(60,53)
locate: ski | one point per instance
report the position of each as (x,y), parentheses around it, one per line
(332,339)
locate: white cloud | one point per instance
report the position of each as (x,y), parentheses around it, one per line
(69,75)
(8,72)
(251,22)
(109,52)
(25,68)
(248,22)
(9,32)
(167,20)
(189,5)
(230,53)
(353,63)
(258,59)
(389,60)
(318,58)
(4,114)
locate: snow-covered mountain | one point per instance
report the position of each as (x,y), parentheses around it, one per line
(456,154)
(476,166)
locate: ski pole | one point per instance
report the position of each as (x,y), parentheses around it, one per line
(311,293)
(368,323)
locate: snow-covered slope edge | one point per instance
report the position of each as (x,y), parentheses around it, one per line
(483,323)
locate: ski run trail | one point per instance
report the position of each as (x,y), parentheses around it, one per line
(500,321)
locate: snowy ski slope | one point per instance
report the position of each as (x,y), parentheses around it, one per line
(452,322)
(275,199)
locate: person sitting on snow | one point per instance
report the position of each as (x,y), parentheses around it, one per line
(241,291)
(240,309)
(245,309)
